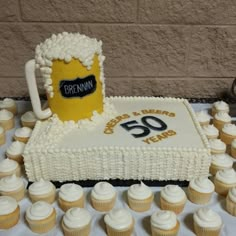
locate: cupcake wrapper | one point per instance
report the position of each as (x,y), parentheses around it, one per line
(106,205)
(65,205)
(50,197)
(10,220)
(8,124)
(125,232)
(85,231)
(17,172)
(140,205)
(17,158)
(2,138)
(222,188)
(219,124)
(197,197)
(230,206)
(226,138)
(18,194)
(42,226)
(204,123)
(28,124)
(175,207)
(160,232)
(233,152)
(21,139)
(201,231)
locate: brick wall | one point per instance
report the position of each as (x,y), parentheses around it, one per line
(184,48)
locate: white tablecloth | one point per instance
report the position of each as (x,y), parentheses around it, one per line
(142,220)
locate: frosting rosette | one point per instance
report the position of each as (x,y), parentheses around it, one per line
(29,116)
(8,165)
(229,129)
(16,148)
(39,210)
(70,192)
(11,183)
(227,176)
(210,130)
(217,144)
(202,185)
(173,193)
(139,191)
(5,114)
(103,191)
(23,132)
(7,205)
(202,116)
(223,116)
(41,187)
(6,103)
(222,160)
(221,106)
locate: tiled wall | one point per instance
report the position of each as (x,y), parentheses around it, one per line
(184,48)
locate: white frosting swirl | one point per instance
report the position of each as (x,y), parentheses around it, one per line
(103,191)
(139,191)
(1,130)
(5,115)
(70,192)
(202,185)
(232,194)
(76,218)
(223,116)
(210,130)
(227,176)
(118,219)
(229,129)
(6,103)
(23,132)
(7,205)
(7,165)
(29,116)
(221,106)
(164,220)
(39,210)
(206,217)
(202,116)
(173,193)
(11,183)
(41,187)
(217,144)
(223,160)
(16,148)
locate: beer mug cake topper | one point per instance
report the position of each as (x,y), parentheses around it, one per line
(71,65)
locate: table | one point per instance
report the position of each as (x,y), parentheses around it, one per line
(142,220)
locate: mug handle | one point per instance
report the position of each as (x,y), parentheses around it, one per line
(33,91)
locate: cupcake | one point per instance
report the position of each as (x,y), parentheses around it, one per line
(7,119)
(220,119)
(76,221)
(173,198)
(2,136)
(164,223)
(23,134)
(217,146)
(231,201)
(220,162)
(15,150)
(9,104)
(140,197)
(200,190)
(203,118)
(42,191)
(224,180)
(71,195)
(40,217)
(9,212)
(228,133)
(28,119)
(12,186)
(9,167)
(210,131)
(207,222)
(220,106)
(233,148)
(103,196)
(119,222)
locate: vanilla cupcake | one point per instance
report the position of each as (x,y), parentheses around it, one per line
(140,197)
(42,191)
(103,196)
(119,222)
(200,190)
(231,201)
(173,198)
(217,146)
(233,148)
(23,134)
(7,119)
(164,223)
(28,119)
(40,217)
(220,119)
(220,162)
(9,212)
(224,180)
(71,195)
(210,131)
(228,133)
(12,186)
(207,222)
(76,221)
(2,136)
(220,106)
(15,150)
(9,104)
(9,167)
(203,118)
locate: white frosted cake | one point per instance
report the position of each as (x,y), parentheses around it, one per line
(141,138)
